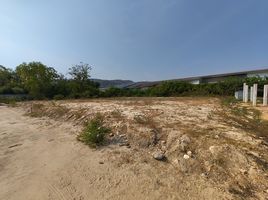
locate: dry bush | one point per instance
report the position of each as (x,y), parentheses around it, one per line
(82,112)
(52,110)
(37,110)
(147,120)
(117,114)
(147,133)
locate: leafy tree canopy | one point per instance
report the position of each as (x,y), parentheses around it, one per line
(36,77)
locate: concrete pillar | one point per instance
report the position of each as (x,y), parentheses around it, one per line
(265,95)
(251,93)
(255,93)
(246,93)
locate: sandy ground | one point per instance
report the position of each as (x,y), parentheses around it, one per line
(40,158)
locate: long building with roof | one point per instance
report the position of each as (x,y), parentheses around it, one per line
(205,79)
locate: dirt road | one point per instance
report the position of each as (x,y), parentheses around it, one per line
(31,157)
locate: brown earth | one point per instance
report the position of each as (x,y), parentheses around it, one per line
(40,158)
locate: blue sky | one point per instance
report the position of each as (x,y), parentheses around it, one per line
(136,39)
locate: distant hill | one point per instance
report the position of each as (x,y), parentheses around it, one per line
(113,83)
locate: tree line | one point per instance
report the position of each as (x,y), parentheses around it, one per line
(39,81)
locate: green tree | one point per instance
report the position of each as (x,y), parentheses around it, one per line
(80,84)
(80,72)
(9,82)
(37,78)
(5,76)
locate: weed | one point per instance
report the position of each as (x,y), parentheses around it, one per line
(145,120)
(36,110)
(140,119)
(59,111)
(94,132)
(117,114)
(227,101)
(53,110)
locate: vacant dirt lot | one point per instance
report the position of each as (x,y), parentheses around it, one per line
(211,151)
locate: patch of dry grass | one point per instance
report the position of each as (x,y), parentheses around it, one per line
(117,114)
(248,119)
(52,110)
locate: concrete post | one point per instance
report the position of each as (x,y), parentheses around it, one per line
(265,95)
(246,93)
(251,93)
(255,93)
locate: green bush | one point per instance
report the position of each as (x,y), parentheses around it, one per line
(18,90)
(94,132)
(58,97)
(5,90)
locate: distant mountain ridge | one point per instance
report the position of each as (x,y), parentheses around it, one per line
(113,83)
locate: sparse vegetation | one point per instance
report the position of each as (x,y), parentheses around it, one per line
(145,120)
(226,138)
(117,114)
(9,101)
(244,117)
(53,110)
(94,132)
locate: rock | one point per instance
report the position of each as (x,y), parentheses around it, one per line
(164,148)
(154,137)
(214,149)
(216,137)
(189,153)
(124,144)
(159,155)
(184,142)
(186,157)
(122,136)
(254,153)
(111,134)
(185,139)
(183,165)
(101,162)
(175,161)
(243,171)
(204,175)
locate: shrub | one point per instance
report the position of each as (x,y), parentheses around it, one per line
(5,90)
(58,97)
(94,132)
(10,101)
(18,90)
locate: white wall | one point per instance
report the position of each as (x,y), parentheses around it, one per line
(263,74)
(195,82)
